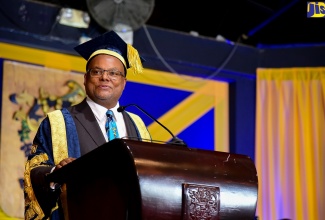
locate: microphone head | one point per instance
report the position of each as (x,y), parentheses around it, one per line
(120,109)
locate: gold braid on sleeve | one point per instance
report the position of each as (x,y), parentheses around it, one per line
(32,208)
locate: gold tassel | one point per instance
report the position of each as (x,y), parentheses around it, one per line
(134,60)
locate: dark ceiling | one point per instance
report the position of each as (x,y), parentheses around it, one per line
(264,21)
(253,22)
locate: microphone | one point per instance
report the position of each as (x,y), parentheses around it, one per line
(175,140)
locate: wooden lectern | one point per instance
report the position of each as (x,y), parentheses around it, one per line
(134,180)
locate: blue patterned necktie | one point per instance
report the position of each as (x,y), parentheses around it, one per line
(110,126)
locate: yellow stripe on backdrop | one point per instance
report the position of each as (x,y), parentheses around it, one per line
(206,95)
(45,67)
(4,216)
(41,57)
(290,140)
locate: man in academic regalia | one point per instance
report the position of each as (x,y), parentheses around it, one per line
(69,133)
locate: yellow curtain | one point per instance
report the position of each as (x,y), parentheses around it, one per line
(290,143)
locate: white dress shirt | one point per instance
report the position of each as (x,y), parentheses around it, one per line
(100,115)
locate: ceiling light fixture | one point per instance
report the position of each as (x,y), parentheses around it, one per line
(74,18)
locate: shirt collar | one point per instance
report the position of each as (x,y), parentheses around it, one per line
(100,111)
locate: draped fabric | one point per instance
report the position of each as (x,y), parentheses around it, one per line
(290,143)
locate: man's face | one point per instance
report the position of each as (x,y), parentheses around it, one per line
(102,89)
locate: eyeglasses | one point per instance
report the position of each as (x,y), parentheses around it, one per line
(112,74)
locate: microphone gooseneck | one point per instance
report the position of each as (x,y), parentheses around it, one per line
(175,140)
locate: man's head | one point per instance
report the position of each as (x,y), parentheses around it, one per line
(110,43)
(108,58)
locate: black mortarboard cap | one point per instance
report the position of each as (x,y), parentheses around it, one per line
(112,44)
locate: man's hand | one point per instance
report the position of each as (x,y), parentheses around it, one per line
(64,162)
